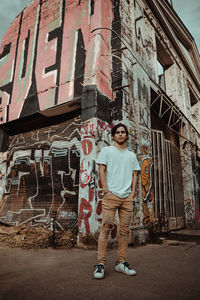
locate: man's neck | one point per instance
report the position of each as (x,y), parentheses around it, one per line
(120,146)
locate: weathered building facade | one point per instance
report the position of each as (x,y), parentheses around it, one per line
(69,70)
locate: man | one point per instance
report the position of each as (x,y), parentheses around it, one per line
(118,176)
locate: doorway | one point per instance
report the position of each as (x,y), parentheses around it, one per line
(167,180)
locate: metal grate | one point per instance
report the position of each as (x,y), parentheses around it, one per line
(159,172)
(167,177)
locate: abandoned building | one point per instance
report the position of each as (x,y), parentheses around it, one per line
(69,70)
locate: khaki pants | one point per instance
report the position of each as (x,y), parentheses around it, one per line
(109,206)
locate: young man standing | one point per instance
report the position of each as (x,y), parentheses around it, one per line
(118,176)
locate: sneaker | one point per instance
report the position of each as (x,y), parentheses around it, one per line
(124,268)
(99,271)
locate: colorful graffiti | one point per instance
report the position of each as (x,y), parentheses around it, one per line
(146,171)
(87,176)
(90,192)
(146,184)
(188,212)
(192,214)
(43,176)
(3,158)
(45,62)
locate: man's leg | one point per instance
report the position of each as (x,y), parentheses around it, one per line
(125,212)
(109,206)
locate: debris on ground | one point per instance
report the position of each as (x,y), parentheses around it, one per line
(27,237)
(66,239)
(178,243)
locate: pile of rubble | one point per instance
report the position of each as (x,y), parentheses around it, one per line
(35,237)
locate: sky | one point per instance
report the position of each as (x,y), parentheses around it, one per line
(188,11)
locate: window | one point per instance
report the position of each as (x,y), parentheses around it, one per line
(193,99)
(161,75)
(163,63)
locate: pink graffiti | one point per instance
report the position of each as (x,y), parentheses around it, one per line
(23,79)
(6,69)
(88,130)
(47,56)
(87,184)
(38,56)
(87,146)
(86,163)
(85,211)
(103,125)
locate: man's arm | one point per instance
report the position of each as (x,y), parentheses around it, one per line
(134,183)
(102,176)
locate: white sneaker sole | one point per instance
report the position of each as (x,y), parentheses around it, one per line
(121,271)
(98,277)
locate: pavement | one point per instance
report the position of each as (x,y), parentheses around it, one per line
(188,235)
(170,270)
(188,232)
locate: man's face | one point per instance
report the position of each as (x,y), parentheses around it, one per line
(120,135)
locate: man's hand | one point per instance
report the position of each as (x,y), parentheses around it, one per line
(105,191)
(102,176)
(133,194)
(134,184)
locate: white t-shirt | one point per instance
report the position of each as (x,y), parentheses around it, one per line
(119,171)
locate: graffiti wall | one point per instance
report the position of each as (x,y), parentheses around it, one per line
(49,53)
(3,159)
(87,176)
(96,134)
(139,124)
(147,184)
(144,45)
(42,170)
(61,51)
(189,200)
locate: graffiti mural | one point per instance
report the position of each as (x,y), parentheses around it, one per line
(104,139)
(45,62)
(87,177)
(146,183)
(96,134)
(189,212)
(3,157)
(43,176)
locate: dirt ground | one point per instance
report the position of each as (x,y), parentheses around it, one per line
(26,237)
(167,271)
